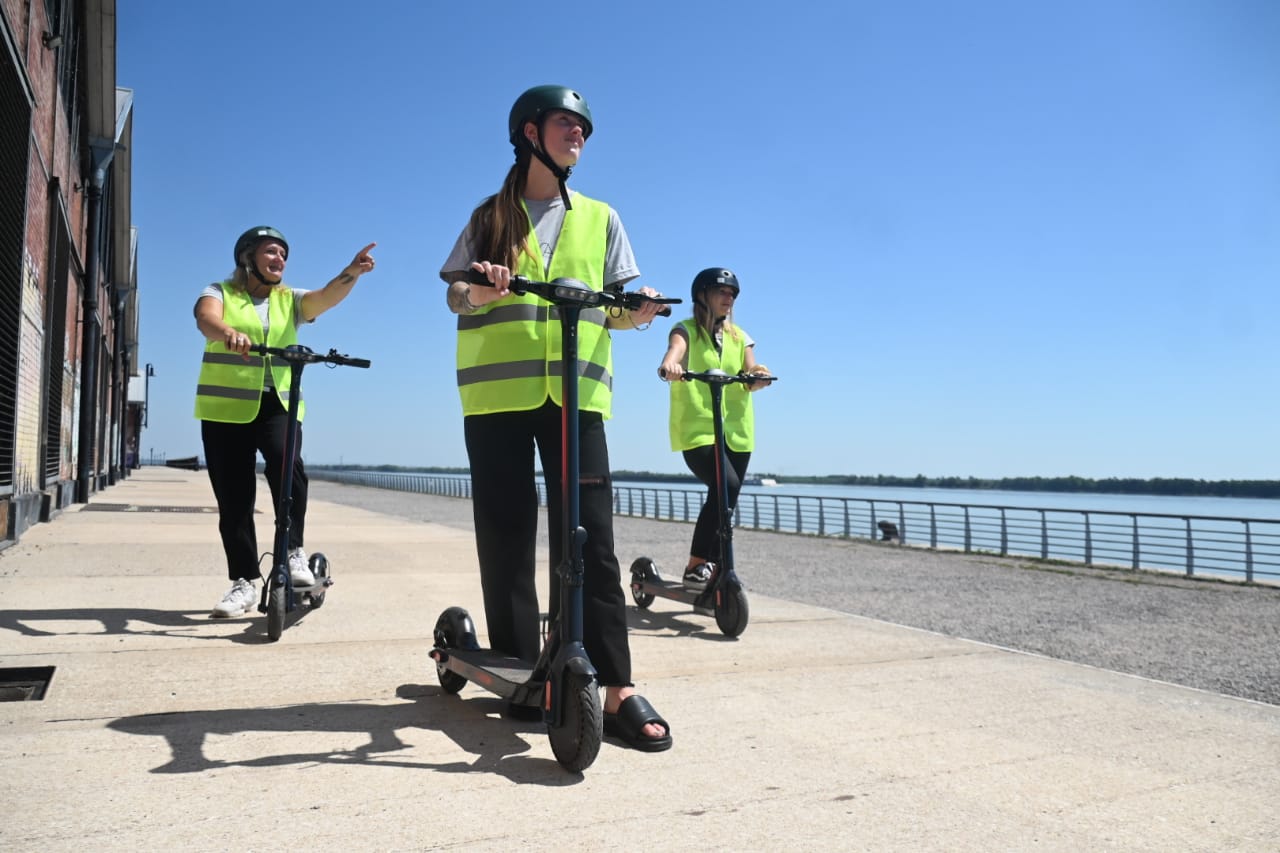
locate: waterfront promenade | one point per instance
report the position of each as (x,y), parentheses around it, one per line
(817,729)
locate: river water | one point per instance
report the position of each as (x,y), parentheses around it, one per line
(1255,508)
(1228,537)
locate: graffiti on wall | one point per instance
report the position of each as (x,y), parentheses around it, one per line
(26,463)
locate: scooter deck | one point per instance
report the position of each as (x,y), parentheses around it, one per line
(304,595)
(494,671)
(321,586)
(703,602)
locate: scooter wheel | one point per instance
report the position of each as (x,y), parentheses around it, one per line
(319,565)
(643,571)
(451,628)
(576,741)
(732,611)
(275,613)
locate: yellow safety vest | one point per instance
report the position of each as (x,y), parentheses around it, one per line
(690,425)
(509,351)
(230,388)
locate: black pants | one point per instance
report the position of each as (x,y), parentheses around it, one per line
(231,454)
(702,462)
(505,503)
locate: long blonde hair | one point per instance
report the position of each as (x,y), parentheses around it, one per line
(707,324)
(500,223)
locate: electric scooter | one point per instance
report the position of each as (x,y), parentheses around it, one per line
(724,596)
(279,595)
(562,683)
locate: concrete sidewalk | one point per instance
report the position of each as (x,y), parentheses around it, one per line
(164,729)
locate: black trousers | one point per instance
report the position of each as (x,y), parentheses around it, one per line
(702,463)
(231,454)
(500,448)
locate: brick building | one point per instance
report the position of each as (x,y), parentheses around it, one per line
(68,270)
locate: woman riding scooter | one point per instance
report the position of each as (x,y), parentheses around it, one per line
(710,340)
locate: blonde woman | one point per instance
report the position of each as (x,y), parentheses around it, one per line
(242,400)
(710,340)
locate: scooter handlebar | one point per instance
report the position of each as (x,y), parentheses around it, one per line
(719,377)
(298,354)
(570,291)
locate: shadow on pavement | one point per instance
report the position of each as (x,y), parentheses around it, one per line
(684,624)
(134,621)
(496,743)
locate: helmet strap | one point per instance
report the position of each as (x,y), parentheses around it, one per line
(253,272)
(560,174)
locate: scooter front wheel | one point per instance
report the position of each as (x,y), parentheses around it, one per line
(576,741)
(732,611)
(643,571)
(275,613)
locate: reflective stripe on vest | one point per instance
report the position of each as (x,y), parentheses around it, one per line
(230,388)
(690,425)
(508,352)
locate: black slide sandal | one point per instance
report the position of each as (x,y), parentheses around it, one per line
(628,724)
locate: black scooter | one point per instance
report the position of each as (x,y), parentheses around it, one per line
(562,683)
(724,596)
(279,595)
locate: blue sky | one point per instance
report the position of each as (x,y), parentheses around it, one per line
(982,239)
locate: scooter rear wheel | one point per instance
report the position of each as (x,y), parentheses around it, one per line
(576,741)
(732,611)
(275,613)
(450,628)
(643,571)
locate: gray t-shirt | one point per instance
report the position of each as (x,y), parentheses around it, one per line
(547,217)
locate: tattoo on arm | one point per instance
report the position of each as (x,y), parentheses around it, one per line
(346,278)
(459,298)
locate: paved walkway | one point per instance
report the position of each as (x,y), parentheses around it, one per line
(164,729)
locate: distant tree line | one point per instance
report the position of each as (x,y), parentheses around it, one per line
(391,469)
(1180,486)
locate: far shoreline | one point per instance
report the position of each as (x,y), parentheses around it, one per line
(1168,486)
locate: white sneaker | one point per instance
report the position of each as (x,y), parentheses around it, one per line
(298,571)
(240,599)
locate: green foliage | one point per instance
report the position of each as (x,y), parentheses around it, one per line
(1180,486)
(391,469)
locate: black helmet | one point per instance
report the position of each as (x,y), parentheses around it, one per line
(251,238)
(713,277)
(539,100)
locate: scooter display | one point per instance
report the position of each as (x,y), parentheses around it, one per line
(279,595)
(563,682)
(724,598)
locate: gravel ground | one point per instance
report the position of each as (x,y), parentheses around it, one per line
(1218,636)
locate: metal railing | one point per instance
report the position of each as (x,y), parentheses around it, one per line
(1241,548)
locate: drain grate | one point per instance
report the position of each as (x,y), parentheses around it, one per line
(24,683)
(101,507)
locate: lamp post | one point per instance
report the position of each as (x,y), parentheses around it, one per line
(146,394)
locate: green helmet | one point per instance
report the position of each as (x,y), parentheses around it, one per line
(251,238)
(535,102)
